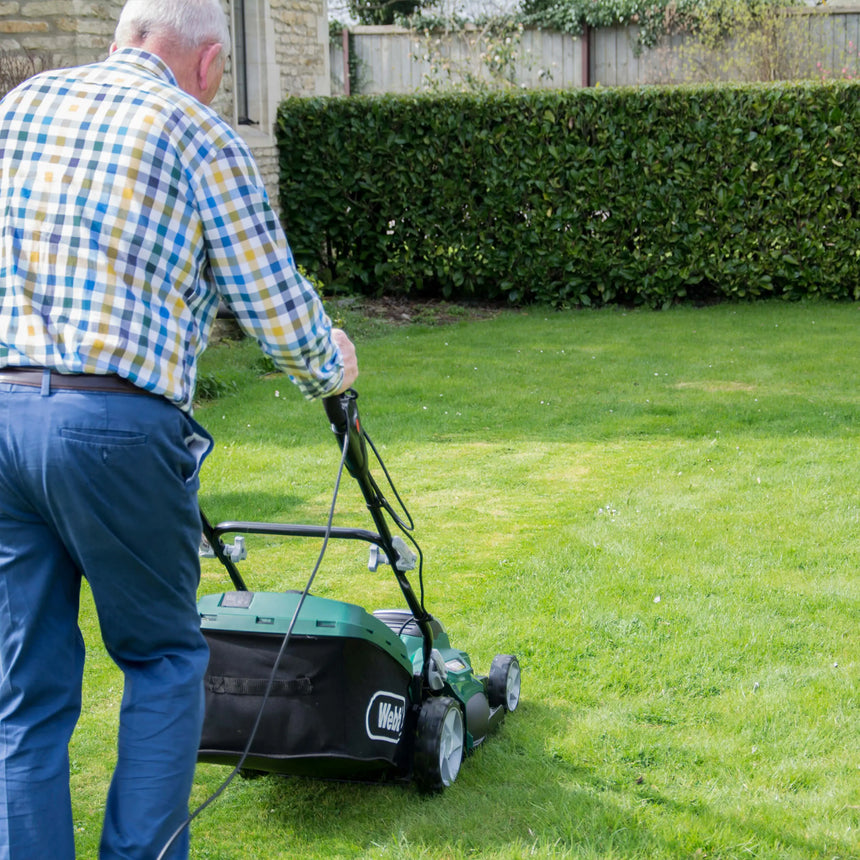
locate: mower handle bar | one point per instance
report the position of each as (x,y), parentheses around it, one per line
(342,412)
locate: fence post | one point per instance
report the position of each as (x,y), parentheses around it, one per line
(586,55)
(345,37)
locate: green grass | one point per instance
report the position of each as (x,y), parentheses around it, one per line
(657,512)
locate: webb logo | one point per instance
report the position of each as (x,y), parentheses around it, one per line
(385,715)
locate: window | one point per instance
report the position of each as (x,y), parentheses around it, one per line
(255,73)
(240,63)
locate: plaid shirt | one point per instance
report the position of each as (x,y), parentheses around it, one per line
(127,210)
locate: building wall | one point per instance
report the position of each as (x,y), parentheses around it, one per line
(293,53)
(66,32)
(301,28)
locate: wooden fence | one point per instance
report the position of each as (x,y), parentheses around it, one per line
(819,41)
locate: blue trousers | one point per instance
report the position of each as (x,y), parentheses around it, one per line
(100,485)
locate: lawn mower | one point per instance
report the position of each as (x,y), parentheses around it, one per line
(304,685)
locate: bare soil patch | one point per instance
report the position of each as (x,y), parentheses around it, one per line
(399,310)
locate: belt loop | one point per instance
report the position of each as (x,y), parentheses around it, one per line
(46,382)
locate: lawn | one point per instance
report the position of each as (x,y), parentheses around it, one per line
(657,512)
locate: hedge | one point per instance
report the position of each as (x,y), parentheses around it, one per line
(644,196)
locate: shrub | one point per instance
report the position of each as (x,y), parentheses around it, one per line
(650,196)
(748,40)
(381,11)
(16,67)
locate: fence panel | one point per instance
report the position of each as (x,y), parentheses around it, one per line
(613,61)
(836,40)
(551,60)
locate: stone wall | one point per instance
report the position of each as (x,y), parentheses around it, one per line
(302,54)
(64,32)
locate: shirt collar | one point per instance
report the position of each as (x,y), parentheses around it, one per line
(146,61)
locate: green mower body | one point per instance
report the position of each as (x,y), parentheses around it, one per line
(304,685)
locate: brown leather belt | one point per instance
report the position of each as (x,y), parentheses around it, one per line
(34,377)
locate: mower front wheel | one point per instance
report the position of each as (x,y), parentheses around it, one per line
(439,744)
(503,687)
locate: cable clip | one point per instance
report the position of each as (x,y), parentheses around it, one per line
(406,559)
(235,552)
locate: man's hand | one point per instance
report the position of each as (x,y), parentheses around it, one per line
(350,362)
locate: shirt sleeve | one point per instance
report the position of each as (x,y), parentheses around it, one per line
(251,267)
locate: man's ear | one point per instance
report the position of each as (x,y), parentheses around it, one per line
(209,66)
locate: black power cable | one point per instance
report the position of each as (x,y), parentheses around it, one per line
(407,526)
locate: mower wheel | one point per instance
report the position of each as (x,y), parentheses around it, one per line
(439,744)
(503,684)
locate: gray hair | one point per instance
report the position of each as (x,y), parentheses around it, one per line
(187,22)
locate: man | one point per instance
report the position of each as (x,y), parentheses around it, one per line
(128,211)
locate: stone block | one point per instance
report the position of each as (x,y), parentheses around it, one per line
(18,26)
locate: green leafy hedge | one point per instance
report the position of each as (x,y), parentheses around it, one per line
(579,197)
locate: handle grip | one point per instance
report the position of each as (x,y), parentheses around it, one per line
(336,407)
(342,413)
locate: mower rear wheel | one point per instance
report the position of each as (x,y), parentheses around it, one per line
(503,684)
(440,743)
